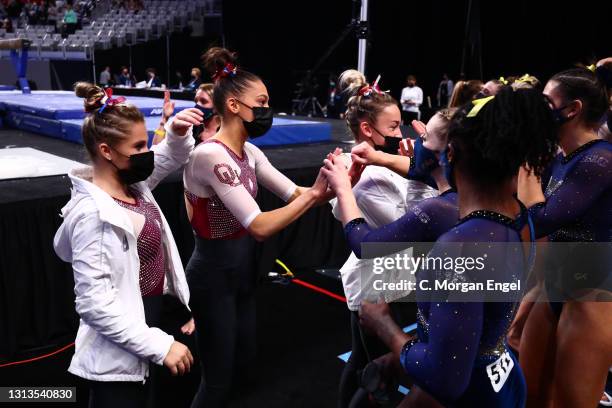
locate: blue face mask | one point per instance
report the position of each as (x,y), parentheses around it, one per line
(448,169)
(425,161)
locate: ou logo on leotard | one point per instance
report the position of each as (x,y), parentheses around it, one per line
(227,175)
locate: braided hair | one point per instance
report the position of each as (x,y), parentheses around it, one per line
(110,126)
(516,127)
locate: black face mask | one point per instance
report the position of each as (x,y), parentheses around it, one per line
(208,113)
(392,143)
(558,115)
(261,123)
(141,167)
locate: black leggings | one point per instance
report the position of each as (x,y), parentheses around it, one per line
(221,276)
(365,348)
(130,394)
(118,394)
(349,381)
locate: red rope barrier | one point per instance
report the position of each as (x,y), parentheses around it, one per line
(320,290)
(37,358)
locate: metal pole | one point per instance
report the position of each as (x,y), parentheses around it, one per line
(93,63)
(130,60)
(363,42)
(465,40)
(168,59)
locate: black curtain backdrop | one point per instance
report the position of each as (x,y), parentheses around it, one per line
(36,287)
(423,38)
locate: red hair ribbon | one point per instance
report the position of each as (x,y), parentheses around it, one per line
(108,100)
(228,70)
(367,90)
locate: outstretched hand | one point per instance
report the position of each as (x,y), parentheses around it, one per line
(320,186)
(406,148)
(604,61)
(365,154)
(529,187)
(336,173)
(189,327)
(185,119)
(168,106)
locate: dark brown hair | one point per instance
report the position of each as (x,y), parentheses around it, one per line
(214,61)
(582,84)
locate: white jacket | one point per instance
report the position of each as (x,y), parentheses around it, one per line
(113,342)
(383,197)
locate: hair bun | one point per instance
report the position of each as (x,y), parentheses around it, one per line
(351,81)
(92,95)
(216,58)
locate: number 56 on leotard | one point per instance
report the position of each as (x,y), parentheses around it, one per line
(499,371)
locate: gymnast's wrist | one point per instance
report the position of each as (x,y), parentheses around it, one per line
(391,334)
(344,192)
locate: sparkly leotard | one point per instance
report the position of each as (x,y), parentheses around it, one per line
(578,208)
(148,225)
(221,187)
(461,357)
(423,222)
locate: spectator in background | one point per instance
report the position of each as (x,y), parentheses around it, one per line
(125,78)
(135,5)
(33,13)
(196,80)
(70,19)
(178,80)
(411,99)
(152,80)
(8,25)
(13,11)
(52,15)
(445,90)
(105,77)
(212,121)
(336,103)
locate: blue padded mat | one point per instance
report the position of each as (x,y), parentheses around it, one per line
(65,105)
(59,114)
(283,132)
(34,124)
(6,87)
(291,131)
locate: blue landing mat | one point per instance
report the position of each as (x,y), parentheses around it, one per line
(6,87)
(283,132)
(59,114)
(65,105)
(287,131)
